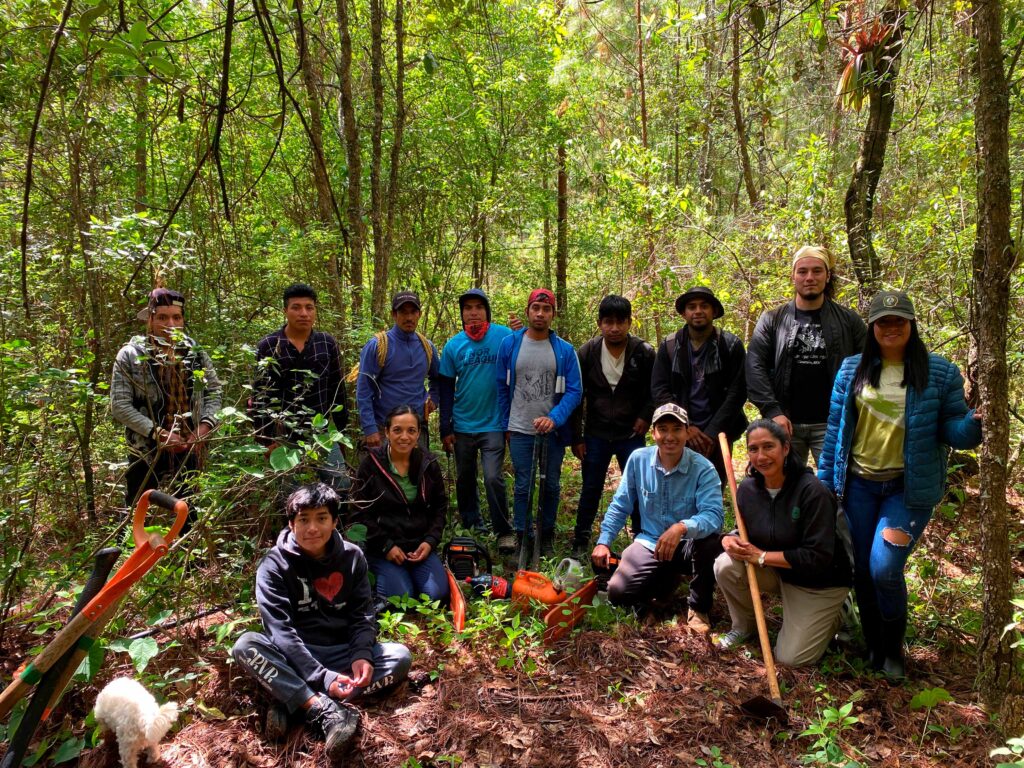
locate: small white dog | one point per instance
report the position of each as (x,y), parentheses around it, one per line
(138,722)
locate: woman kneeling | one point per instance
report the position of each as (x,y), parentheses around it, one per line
(399,496)
(791,520)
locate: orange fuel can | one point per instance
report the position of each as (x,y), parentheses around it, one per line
(530,585)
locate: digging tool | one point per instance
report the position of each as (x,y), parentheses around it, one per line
(52,684)
(759,706)
(149,547)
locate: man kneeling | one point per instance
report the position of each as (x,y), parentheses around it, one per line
(319,651)
(680,501)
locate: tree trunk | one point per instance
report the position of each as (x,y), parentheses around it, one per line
(325,203)
(399,126)
(995,255)
(737,113)
(350,134)
(380,256)
(141,142)
(860,195)
(704,172)
(562,232)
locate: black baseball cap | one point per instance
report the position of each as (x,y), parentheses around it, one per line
(700,292)
(405,297)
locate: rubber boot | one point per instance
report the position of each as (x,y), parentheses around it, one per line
(547,543)
(871,625)
(893,663)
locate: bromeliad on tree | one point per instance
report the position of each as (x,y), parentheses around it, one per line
(868,54)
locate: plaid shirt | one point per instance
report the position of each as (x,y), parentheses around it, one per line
(292,386)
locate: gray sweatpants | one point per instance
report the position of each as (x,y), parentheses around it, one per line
(260,658)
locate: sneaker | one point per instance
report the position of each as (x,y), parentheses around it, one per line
(507,543)
(277,723)
(337,723)
(699,622)
(732,639)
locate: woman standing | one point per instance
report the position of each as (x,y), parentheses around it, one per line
(791,521)
(399,496)
(896,410)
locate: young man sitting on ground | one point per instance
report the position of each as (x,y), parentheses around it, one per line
(680,500)
(318,653)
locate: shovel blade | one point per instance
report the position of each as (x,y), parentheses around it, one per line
(765,709)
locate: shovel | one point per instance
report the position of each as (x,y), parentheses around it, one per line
(759,706)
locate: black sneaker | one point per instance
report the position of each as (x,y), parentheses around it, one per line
(337,723)
(277,722)
(547,544)
(581,548)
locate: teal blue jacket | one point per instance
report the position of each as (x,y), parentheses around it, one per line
(936,419)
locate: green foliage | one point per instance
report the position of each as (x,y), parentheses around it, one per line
(830,744)
(1014,748)
(714,758)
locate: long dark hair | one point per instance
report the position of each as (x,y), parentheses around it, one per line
(915,362)
(791,466)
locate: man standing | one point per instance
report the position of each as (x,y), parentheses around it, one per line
(796,350)
(680,499)
(470,421)
(166,394)
(298,378)
(392,368)
(701,368)
(615,369)
(538,379)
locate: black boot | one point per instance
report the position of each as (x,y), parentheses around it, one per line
(581,547)
(871,625)
(893,663)
(547,543)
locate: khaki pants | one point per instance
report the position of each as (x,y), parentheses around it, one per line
(810,617)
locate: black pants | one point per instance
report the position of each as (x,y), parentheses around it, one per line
(164,470)
(641,577)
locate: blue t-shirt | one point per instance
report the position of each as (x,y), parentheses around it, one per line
(471,364)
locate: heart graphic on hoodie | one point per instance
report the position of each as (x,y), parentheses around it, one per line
(328,586)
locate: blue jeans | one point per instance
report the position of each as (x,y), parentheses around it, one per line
(335,472)
(595,471)
(413,579)
(520,448)
(871,507)
(491,447)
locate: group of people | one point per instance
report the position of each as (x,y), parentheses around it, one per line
(876,411)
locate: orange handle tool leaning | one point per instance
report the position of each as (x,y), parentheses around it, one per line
(148,549)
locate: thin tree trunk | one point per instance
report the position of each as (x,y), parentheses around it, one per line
(325,203)
(704,172)
(995,256)
(399,127)
(547,232)
(350,133)
(141,142)
(737,113)
(562,232)
(380,257)
(867,171)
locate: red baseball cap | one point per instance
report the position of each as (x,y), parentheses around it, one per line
(543,295)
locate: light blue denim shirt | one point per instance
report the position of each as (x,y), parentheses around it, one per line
(690,493)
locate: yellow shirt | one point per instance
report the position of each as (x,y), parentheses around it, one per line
(878,440)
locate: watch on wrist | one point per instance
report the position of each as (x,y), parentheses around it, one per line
(761,557)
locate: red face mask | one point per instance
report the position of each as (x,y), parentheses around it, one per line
(477,329)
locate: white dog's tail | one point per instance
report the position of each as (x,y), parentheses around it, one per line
(162,722)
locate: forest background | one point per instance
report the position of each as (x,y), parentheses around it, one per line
(229,148)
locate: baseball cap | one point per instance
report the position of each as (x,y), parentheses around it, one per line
(671,410)
(405,297)
(891,303)
(161,297)
(543,295)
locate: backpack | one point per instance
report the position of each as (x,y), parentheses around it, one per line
(382,347)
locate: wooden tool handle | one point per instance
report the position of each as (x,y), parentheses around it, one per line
(755,590)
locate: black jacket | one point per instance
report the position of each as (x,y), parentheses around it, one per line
(801,522)
(303,602)
(606,414)
(381,506)
(770,359)
(724,376)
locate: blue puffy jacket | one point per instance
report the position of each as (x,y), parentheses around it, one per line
(935,420)
(568,384)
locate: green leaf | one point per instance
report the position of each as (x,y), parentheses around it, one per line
(89,17)
(210,713)
(757,18)
(430,64)
(142,651)
(356,533)
(69,750)
(138,33)
(929,698)
(284,458)
(319,421)
(92,663)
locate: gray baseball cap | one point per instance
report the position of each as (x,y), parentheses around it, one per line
(673,411)
(891,303)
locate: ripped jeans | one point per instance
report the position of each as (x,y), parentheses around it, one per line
(871,507)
